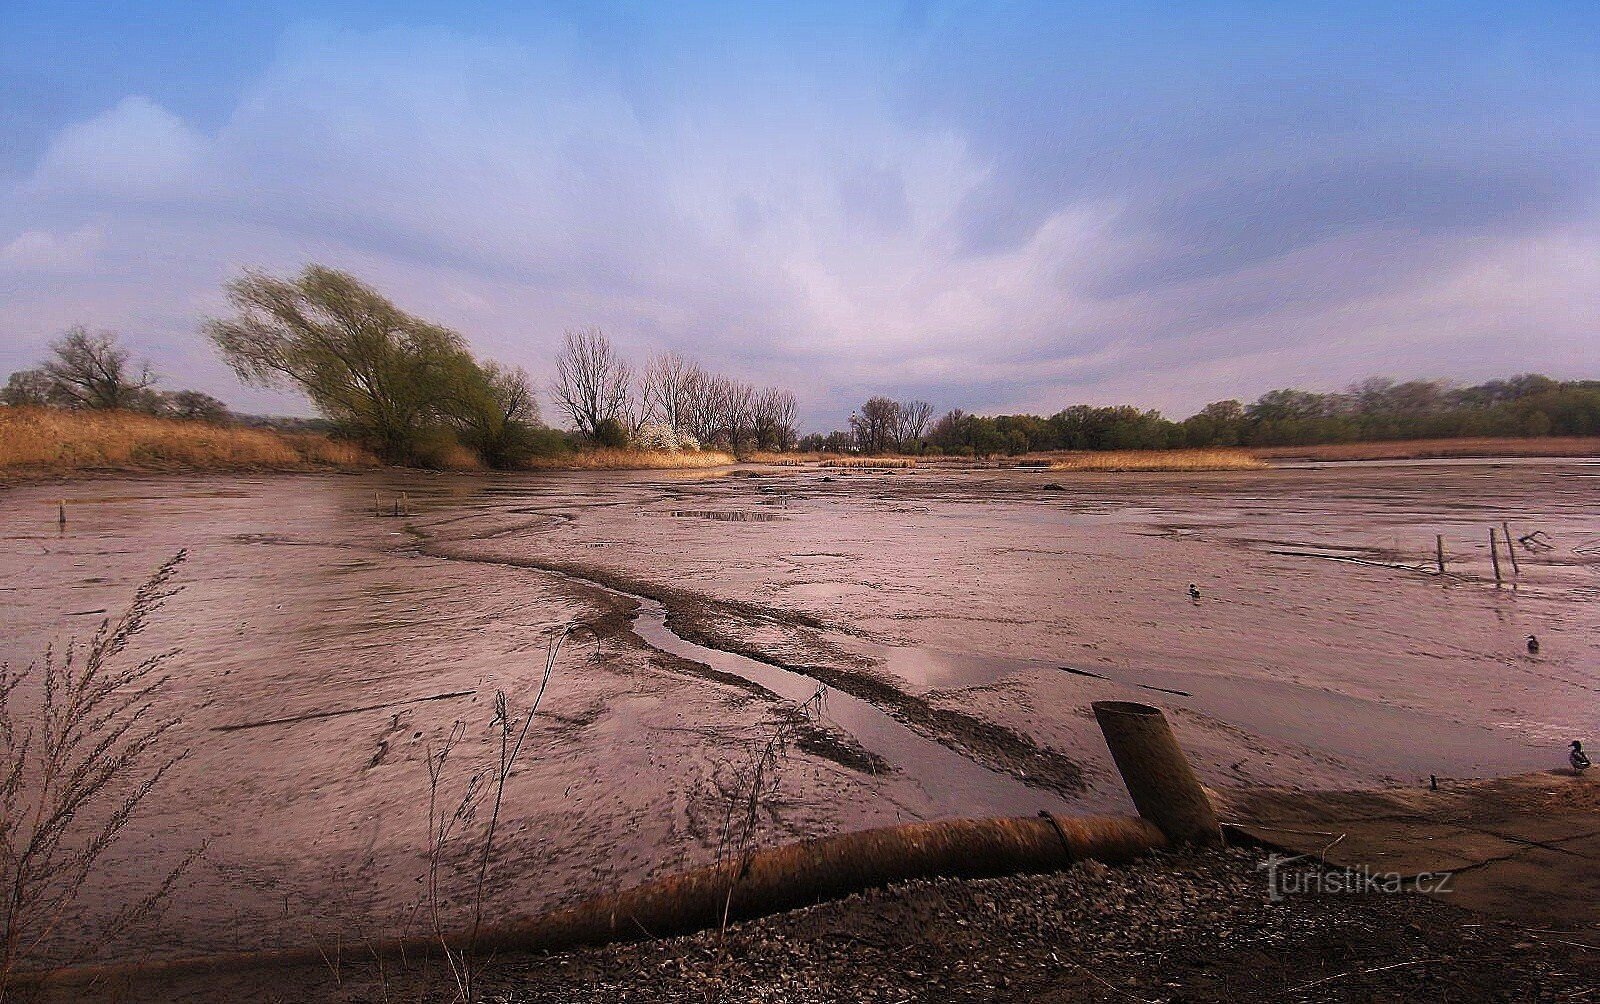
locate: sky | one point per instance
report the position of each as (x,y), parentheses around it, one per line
(998,207)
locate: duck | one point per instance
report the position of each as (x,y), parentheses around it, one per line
(1578,758)
(1533,644)
(1194,591)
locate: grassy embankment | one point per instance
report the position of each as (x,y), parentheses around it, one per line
(51,441)
(47,441)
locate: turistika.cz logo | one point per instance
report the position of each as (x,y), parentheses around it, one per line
(1312,879)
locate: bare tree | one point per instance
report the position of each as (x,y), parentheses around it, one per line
(591,384)
(702,412)
(915,417)
(773,414)
(666,387)
(92,371)
(735,407)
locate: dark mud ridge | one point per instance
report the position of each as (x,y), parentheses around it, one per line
(689,627)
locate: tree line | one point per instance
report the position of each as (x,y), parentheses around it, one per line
(411,390)
(670,403)
(1372,410)
(90,370)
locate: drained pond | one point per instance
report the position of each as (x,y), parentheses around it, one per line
(921,644)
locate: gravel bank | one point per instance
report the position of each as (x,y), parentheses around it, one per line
(1190,927)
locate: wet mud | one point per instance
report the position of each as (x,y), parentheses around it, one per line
(961,621)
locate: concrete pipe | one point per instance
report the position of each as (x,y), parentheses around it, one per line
(1157,774)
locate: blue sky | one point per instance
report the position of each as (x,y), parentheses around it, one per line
(996,207)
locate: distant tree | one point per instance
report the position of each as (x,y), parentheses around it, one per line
(876,425)
(665,388)
(195,405)
(29,389)
(592,381)
(838,441)
(735,402)
(913,421)
(91,371)
(387,376)
(773,415)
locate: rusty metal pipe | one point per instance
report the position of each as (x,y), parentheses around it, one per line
(1164,788)
(765,882)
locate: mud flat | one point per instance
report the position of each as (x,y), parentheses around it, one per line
(962,621)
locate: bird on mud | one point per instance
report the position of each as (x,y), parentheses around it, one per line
(1578,758)
(1533,644)
(1194,592)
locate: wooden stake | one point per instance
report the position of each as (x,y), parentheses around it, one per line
(1438,550)
(61,514)
(1516,569)
(1494,554)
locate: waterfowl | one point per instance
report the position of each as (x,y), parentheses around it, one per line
(1194,591)
(1578,758)
(1533,644)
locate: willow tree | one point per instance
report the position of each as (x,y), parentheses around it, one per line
(390,378)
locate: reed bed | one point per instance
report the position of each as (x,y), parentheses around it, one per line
(631,460)
(872,463)
(1431,449)
(51,440)
(1157,460)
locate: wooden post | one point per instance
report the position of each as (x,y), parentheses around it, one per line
(1438,550)
(1516,569)
(61,514)
(1494,554)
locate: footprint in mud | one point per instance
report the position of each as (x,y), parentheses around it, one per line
(397,723)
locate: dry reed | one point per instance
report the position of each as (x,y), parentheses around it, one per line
(629,460)
(1157,460)
(1430,449)
(84,745)
(872,463)
(53,440)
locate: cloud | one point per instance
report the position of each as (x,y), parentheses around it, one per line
(847,233)
(134,149)
(44,251)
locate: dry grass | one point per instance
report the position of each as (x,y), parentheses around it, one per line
(872,463)
(1428,449)
(49,440)
(631,460)
(1156,460)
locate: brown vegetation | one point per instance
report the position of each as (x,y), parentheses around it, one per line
(1157,460)
(1426,449)
(81,749)
(604,459)
(53,440)
(882,463)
